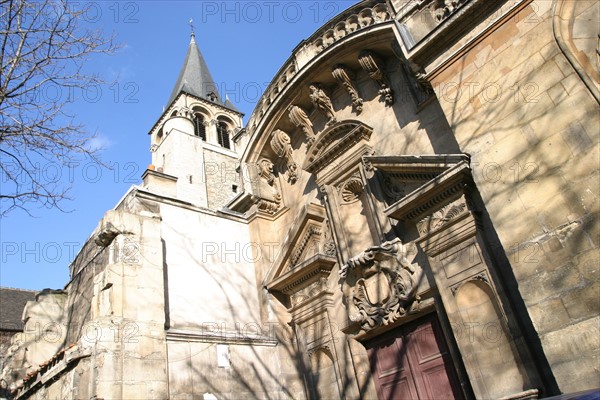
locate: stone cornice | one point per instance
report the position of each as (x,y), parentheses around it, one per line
(303,274)
(220,337)
(446,187)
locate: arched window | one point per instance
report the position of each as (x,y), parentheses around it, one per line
(223,135)
(199,127)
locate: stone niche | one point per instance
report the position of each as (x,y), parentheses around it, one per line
(300,281)
(431,193)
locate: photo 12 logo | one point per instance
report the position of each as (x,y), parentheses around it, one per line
(268,11)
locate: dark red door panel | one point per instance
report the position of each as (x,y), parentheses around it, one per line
(412,362)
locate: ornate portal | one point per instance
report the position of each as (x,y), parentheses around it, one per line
(380,283)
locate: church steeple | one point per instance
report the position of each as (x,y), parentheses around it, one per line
(194,77)
(196,132)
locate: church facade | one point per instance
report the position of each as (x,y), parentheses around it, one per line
(411,212)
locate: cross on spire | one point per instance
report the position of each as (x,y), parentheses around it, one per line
(191,23)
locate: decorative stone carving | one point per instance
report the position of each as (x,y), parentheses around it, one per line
(351,189)
(372,65)
(329,248)
(482,276)
(442,216)
(393,188)
(269,199)
(367,164)
(322,102)
(308,292)
(185,112)
(441,9)
(362,19)
(334,142)
(312,236)
(281,145)
(301,120)
(382,282)
(345,76)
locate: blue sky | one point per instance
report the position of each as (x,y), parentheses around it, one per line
(244,44)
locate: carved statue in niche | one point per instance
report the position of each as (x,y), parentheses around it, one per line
(268,189)
(372,65)
(301,120)
(282,146)
(381,283)
(322,102)
(345,76)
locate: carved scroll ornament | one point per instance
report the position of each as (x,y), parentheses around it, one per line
(281,145)
(382,283)
(301,120)
(345,76)
(372,65)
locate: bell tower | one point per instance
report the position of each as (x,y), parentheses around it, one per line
(196,144)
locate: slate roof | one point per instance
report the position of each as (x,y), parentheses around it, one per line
(12,303)
(195,79)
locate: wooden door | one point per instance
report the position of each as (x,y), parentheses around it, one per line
(412,362)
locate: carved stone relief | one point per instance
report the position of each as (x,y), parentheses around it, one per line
(393,189)
(301,120)
(310,241)
(372,65)
(322,102)
(351,189)
(363,19)
(185,112)
(441,9)
(269,196)
(328,244)
(381,283)
(442,216)
(345,76)
(281,145)
(308,292)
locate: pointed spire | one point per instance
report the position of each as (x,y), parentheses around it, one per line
(194,77)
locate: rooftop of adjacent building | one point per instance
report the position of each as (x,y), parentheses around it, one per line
(12,303)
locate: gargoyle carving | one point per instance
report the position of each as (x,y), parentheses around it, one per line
(301,120)
(281,145)
(381,283)
(345,76)
(372,65)
(322,102)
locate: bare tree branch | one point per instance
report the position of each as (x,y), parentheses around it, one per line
(42,43)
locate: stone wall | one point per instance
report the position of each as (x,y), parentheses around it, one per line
(220,176)
(530,124)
